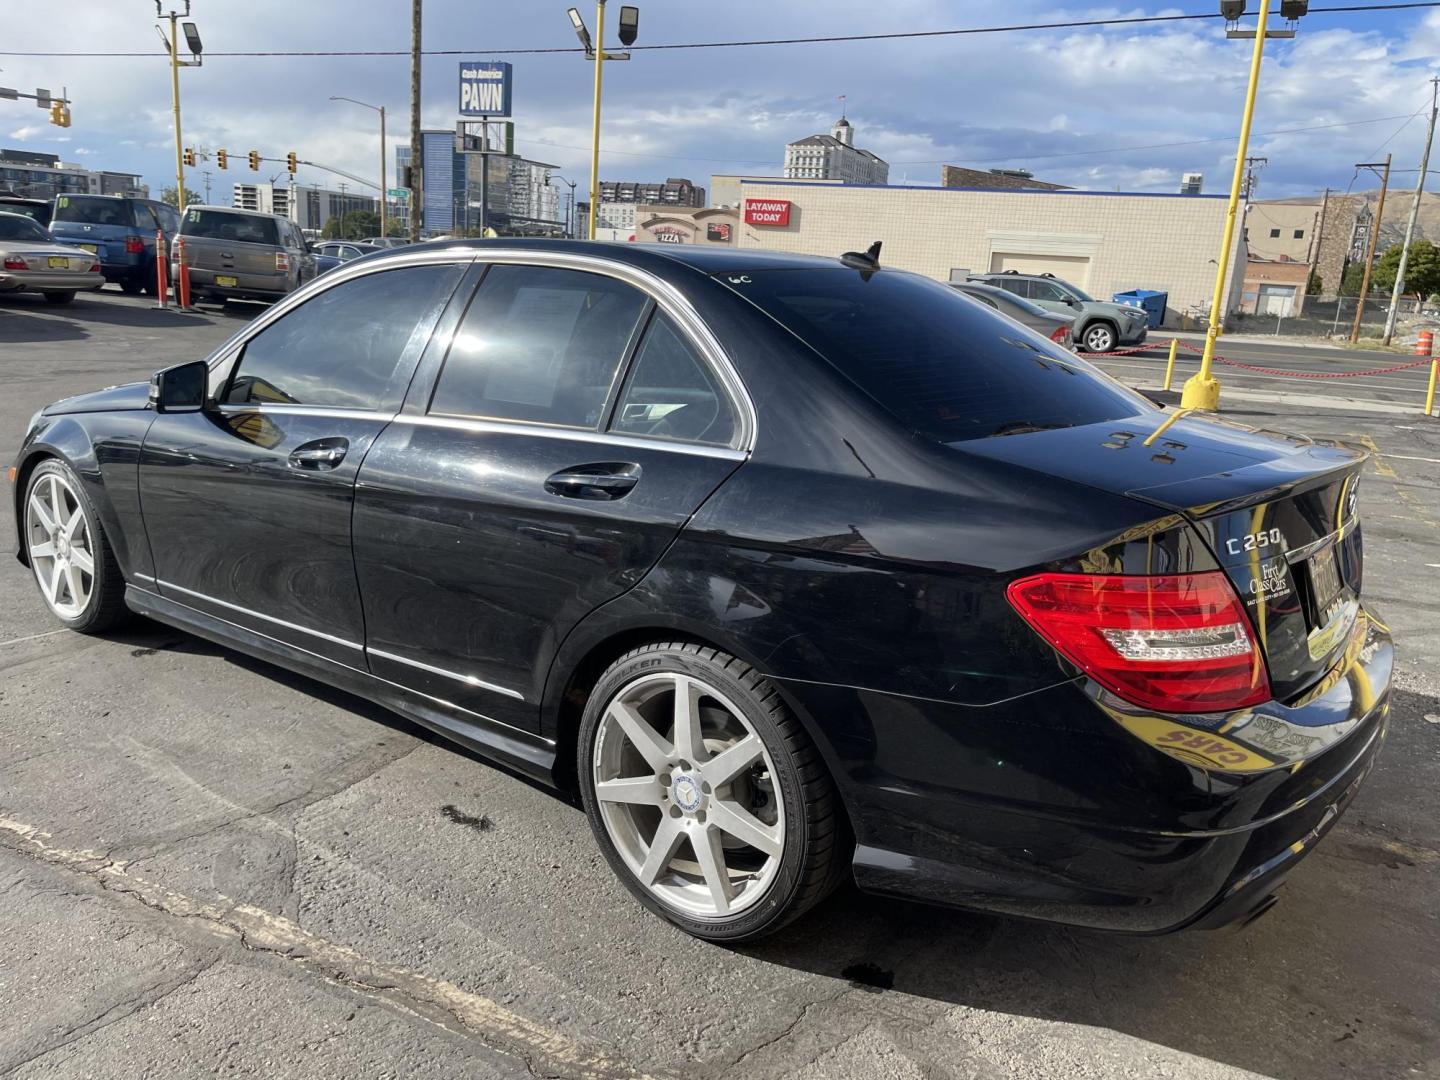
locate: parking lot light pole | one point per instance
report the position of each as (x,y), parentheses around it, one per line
(381,110)
(1202,390)
(192,40)
(629,30)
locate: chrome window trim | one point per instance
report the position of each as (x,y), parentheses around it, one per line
(545,431)
(327,411)
(468,680)
(258,614)
(668,299)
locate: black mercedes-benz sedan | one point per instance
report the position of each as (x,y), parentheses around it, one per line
(794,568)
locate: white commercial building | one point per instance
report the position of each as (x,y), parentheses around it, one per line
(834,157)
(1104,242)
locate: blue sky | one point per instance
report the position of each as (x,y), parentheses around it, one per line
(1082,107)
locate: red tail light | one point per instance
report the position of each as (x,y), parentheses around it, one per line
(282,261)
(1061,336)
(134,245)
(1174,643)
(94,268)
(14,262)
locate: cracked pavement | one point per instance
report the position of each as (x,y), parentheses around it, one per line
(209,865)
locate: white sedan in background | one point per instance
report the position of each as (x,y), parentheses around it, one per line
(31,260)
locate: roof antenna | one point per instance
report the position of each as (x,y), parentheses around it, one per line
(868,260)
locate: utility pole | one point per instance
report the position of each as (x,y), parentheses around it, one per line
(1374,242)
(1251,165)
(1414,212)
(416,175)
(1317,239)
(206,174)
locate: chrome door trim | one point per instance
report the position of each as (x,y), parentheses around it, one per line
(548,431)
(468,680)
(326,411)
(258,614)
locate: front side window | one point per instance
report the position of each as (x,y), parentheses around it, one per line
(946,369)
(1048,290)
(671,392)
(539,344)
(344,347)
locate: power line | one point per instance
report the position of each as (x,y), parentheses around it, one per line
(1070,24)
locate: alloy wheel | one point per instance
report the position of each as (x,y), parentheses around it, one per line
(58,538)
(1099,339)
(687,793)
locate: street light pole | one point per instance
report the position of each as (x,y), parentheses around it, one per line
(193,39)
(595,123)
(1202,390)
(381,110)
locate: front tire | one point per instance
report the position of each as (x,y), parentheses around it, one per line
(705,794)
(71,559)
(1099,338)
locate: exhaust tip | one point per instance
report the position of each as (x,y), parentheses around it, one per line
(1259,910)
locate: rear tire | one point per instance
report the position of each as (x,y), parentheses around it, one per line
(70,557)
(59,297)
(131,286)
(730,828)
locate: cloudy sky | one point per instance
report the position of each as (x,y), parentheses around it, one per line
(1085,107)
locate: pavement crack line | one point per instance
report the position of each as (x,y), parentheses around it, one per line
(544,1051)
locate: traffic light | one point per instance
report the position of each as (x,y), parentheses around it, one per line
(291,162)
(254,160)
(189,157)
(1232,10)
(1294,9)
(222,159)
(59,114)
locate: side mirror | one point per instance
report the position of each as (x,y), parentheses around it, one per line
(181,388)
(1073,302)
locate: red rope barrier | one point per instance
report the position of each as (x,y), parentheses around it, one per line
(1282,373)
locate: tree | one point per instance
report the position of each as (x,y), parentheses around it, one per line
(170,196)
(1315,284)
(1354,275)
(1422,270)
(356,225)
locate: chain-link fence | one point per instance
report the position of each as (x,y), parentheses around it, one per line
(1335,318)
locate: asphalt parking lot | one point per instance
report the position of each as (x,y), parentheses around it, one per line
(211,866)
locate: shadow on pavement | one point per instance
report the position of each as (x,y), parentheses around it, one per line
(17,326)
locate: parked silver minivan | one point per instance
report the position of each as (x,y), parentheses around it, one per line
(242,254)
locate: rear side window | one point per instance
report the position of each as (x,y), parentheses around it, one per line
(671,392)
(94,210)
(344,348)
(947,369)
(1018,286)
(539,344)
(237,228)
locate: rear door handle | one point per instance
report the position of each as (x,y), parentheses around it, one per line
(598,481)
(320,454)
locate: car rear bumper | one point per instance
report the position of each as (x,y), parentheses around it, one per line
(246,287)
(22,281)
(1065,806)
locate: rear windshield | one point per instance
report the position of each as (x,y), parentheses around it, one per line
(15,227)
(1001,297)
(94,210)
(36,211)
(223,225)
(948,369)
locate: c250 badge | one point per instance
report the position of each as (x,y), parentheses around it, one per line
(1256,541)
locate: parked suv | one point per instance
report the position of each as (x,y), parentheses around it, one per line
(120,230)
(1099,326)
(243,255)
(38,210)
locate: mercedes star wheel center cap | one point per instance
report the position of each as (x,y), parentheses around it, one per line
(686,793)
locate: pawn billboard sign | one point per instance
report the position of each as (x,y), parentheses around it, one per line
(484,88)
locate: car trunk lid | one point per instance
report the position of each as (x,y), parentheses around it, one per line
(1277,511)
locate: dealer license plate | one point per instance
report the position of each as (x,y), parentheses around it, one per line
(1324,582)
(58,262)
(93,249)
(226,282)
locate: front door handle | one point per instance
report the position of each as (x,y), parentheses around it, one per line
(320,454)
(598,481)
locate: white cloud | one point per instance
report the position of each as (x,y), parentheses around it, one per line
(25,133)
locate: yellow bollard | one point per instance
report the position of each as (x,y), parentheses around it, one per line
(1430,391)
(1170,366)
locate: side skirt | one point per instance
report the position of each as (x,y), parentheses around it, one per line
(525,752)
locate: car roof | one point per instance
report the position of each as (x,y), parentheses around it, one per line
(708,259)
(235,210)
(982,287)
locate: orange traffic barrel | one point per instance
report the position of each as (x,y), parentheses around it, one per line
(1425,343)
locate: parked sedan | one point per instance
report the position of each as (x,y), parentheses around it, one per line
(333,253)
(795,568)
(1058,328)
(32,261)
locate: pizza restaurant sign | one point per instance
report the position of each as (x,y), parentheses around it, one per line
(767,212)
(669,234)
